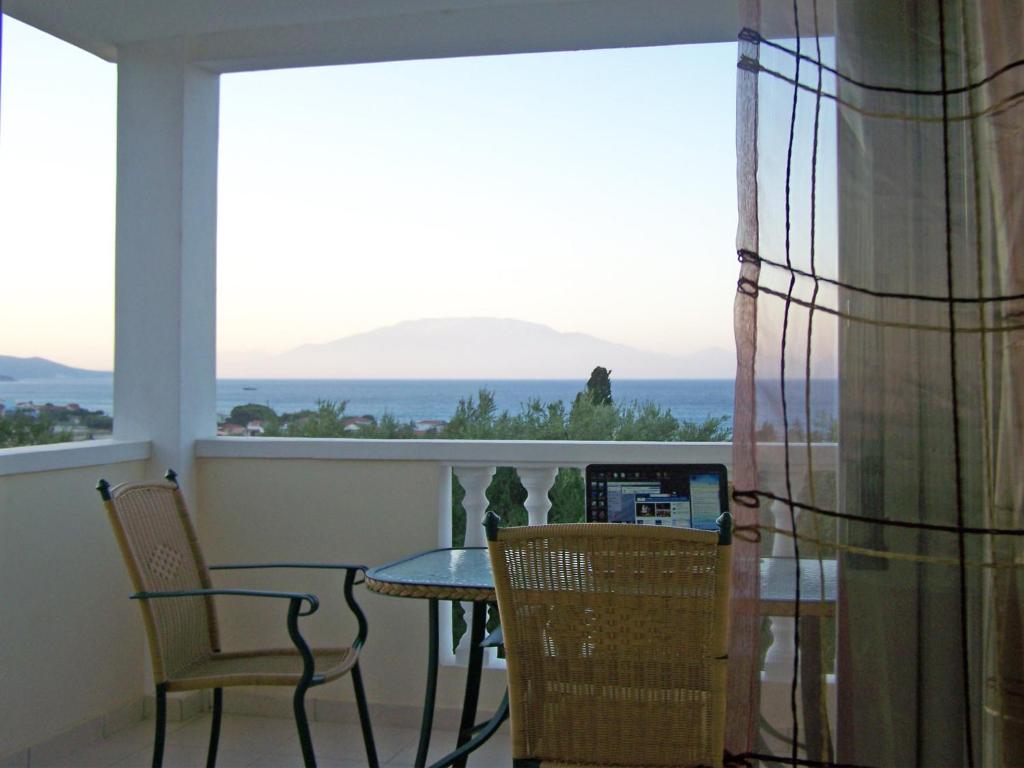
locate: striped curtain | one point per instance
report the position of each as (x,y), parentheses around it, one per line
(879,421)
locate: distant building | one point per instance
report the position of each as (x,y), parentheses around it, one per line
(231,430)
(429,427)
(254,428)
(355,423)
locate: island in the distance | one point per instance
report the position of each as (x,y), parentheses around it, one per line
(18,368)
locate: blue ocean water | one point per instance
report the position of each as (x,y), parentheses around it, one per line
(692,399)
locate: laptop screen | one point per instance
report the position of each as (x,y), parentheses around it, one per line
(676,495)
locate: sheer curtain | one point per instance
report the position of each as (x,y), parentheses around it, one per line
(878,429)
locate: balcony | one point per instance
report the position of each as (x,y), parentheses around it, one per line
(267,499)
(74,663)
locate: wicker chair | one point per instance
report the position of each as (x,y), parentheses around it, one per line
(173,587)
(616,642)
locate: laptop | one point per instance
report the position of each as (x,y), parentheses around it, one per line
(674,495)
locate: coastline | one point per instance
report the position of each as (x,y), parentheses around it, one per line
(405,399)
(419,399)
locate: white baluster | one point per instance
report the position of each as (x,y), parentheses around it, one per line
(537,481)
(778,663)
(783,545)
(444,505)
(475,481)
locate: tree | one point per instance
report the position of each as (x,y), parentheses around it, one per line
(541,421)
(97,420)
(388,428)
(19,429)
(243,414)
(325,421)
(592,421)
(646,421)
(599,386)
(474,420)
(714,429)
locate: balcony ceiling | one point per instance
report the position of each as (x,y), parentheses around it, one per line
(236,35)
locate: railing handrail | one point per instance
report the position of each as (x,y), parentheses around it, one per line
(52,457)
(519,453)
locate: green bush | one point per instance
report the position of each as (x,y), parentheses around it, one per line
(243,414)
(19,429)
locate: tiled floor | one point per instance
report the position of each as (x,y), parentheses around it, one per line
(261,742)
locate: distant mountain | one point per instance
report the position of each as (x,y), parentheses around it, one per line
(482,348)
(14,368)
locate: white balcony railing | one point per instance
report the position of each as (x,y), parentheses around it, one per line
(538,479)
(537,463)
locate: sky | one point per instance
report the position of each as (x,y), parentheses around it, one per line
(592,191)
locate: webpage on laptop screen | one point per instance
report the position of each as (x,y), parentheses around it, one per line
(673,498)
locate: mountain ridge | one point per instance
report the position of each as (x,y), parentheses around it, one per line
(443,348)
(481,347)
(16,368)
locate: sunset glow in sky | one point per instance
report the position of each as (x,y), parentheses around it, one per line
(588,191)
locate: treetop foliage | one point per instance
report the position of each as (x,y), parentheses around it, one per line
(593,416)
(589,419)
(17,429)
(243,414)
(599,386)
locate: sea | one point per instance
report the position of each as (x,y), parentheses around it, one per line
(405,399)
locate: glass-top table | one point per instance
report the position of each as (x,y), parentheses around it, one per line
(447,574)
(465,574)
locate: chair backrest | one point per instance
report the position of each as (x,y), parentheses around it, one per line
(158,542)
(616,641)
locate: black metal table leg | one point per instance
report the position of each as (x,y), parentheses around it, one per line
(459,755)
(472,694)
(816,732)
(430,696)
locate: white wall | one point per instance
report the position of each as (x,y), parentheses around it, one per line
(332,511)
(71,642)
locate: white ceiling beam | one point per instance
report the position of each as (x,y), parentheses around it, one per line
(471,32)
(230,36)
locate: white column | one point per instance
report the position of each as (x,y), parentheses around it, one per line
(537,481)
(475,481)
(165,338)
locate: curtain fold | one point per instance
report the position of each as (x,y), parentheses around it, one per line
(879,425)
(995,44)
(745,635)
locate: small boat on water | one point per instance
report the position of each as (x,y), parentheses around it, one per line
(249,389)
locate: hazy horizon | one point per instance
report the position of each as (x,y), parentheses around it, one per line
(435,349)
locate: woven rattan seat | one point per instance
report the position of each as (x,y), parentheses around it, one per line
(176,595)
(277,666)
(616,642)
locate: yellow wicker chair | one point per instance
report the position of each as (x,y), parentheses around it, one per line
(616,642)
(173,587)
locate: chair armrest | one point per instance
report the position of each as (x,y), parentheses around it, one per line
(350,581)
(313,601)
